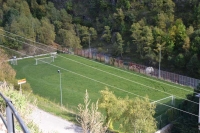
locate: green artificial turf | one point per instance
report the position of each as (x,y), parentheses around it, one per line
(79,74)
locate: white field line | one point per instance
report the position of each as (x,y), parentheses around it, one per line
(136,74)
(95,62)
(90,60)
(117,69)
(122,89)
(43,58)
(162,99)
(129,80)
(119,88)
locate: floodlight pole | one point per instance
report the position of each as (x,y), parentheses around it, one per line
(89,43)
(198,95)
(159,62)
(60,89)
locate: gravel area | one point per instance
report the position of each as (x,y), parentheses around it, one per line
(49,123)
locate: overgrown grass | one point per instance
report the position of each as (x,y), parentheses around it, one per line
(53,108)
(93,76)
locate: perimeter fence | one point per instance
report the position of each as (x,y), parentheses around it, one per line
(164,75)
(168,115)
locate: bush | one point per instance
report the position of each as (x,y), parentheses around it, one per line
(21,104)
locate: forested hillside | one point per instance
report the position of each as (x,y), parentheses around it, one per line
(135,28)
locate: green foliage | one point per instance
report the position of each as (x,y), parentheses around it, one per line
(179,61)
(22,105)
(7,73)
(195,46)
(197,15)
(106,34)
(44,81)
(89,117)
(86,34)
(69,5)
(136,114)
(118,19)
(68,38)
(118,44)
(193,66)
(113,106)
(46,34)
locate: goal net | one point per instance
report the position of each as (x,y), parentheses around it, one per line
(13,61)
(44,60)
(54,54)
(163,104)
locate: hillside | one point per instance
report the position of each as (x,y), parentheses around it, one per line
(126,28)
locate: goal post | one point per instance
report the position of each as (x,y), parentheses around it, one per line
(169,99)
(44,60)
(13,61)
(54,54)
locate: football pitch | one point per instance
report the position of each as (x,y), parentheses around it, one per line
(79,74)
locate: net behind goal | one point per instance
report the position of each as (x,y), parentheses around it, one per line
(165,103)
(13,61)
(44,60)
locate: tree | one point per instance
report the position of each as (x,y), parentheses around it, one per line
(106,34)
(52,13)
(195,42)
(89,117)
(138,116)
(45,34)
(113,106)
(178,33)
(86,34)
(68,38)
(197,16)
(118,44)
(7,73)
(193,66)
(135,114)
(22,104)
(136,29)
(119,20)
(142,37)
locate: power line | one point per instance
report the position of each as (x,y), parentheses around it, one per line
(100,63)
(130,80)
(118,88)
(12,50)
(110,73)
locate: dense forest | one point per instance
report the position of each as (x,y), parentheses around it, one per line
(138,29)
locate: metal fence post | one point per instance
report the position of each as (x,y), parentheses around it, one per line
(10,121)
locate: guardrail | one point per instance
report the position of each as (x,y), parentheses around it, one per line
(10,112)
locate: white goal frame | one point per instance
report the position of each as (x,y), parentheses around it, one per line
(13,61)
(172,100)
(54,54)
(40,59)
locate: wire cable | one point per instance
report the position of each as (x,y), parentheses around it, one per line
(118,88)
(101,63)
(107,72)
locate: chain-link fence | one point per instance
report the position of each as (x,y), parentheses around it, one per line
(167,76)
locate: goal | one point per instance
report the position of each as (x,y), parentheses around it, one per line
(44,60)
(170,100)
(54,54)
(13,61)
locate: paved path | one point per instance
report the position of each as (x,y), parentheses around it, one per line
(49,123)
